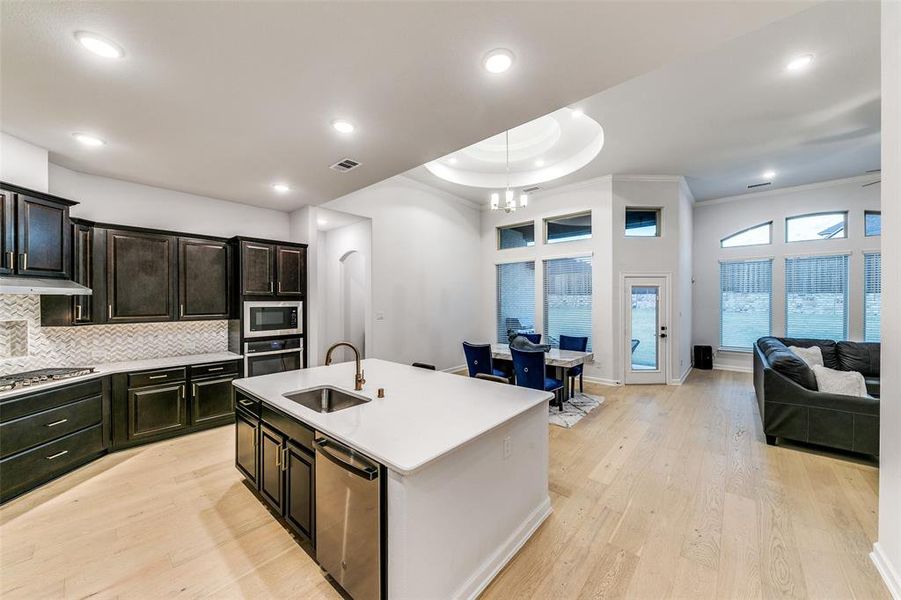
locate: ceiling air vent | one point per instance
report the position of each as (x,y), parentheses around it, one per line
(345,165)
(757,185)
(529,190)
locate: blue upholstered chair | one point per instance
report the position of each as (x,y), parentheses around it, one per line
(535,338)
(579,344)
(529,368)
(478,360)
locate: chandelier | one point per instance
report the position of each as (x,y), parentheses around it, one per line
(509,194)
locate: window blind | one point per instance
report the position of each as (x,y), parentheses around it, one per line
(816,297)
(515,298)
(872,275)
(567,299)
(746,302)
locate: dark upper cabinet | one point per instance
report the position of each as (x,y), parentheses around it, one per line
(7,234)
(290,270)
(36,235)
(141,277)
(204,280)
(257,269)
(82,271)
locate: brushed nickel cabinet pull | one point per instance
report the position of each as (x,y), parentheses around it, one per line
(181,310)
(285,459)
(181,392)
(270,286)
(158,376)
(109,311)
(279,287)
(57,455)
(216,369)
(24,259)
(278,457)
(194,389)
(243,402)
(10,259)
(55,423)
(78,312)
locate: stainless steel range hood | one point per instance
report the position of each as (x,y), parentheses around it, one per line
(36,286)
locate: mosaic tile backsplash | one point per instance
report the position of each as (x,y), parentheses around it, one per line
(86,345)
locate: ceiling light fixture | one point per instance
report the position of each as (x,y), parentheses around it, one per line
(343,126)
(99,45)
(88,140)
(769,174)
(577,112)
(539,163)
(281,188)
(452,160)
(321,222)
(509,195)
(498,60)
(799,62)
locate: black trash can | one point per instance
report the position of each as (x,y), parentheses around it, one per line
(703,357)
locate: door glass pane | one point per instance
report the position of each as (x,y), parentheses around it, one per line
(645,305)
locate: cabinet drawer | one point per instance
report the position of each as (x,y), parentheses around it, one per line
(247,403)
(41,401)
(156,377)
(20,472)
(214,369)
(43,427)
(295,430)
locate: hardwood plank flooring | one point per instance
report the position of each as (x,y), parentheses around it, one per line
(662,492)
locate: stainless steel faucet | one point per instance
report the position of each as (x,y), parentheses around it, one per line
(358,376)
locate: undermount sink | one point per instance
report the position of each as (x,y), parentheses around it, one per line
(325,399)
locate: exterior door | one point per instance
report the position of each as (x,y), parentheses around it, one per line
(646,330)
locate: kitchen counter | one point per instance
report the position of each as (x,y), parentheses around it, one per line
(423,416)
(126,366)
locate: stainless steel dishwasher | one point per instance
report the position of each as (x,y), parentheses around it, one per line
(348,518)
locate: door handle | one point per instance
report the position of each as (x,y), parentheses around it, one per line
(23,260)
(285,458)
(10,259)
(57,455)
(663,335)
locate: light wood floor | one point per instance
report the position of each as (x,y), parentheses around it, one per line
(661,492)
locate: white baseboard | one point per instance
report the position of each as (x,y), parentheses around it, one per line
(476,584)
(887,570)
(735,368)
(602,381)
(682,379)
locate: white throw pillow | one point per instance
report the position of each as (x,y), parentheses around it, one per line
(812,356)
(847,383)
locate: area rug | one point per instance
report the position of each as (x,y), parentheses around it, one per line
(573,410)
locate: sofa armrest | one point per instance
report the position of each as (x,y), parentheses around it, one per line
(782,390)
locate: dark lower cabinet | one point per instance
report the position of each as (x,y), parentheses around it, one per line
(270,467)
(247,436)
(211,400)
(299,465)
(156,410)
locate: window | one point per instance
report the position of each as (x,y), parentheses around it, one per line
(515,298)
(872,296)
(872,222)
(817,226)
(516,236)
(567,299)
(816,297)
(642,222)
(752,236)
(568,229)
(746,302)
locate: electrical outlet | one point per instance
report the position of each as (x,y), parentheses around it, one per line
(508,449)
(379,316)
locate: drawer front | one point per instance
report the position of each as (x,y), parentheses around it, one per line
(157,377)
(214,369)
(40,401)
(247,403)
(295,430)
(23,471)
(43,427)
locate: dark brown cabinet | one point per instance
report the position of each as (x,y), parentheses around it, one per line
(35,233)
(204,279)
(211,399)
(257,269)
(156,410)
(299,477)
(82,271)
(270,466)
(141,277)
(290,269)
(7,234)
(247,435)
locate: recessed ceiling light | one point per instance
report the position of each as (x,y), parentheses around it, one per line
(577,112)
(99,45)
(321,222)
(88,140)
(498,60)
(452,160)
(539,163)
(769,174)
(343,126)
(799,63)
(281,188)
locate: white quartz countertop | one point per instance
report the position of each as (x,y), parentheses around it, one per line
(126,366)
(423,416)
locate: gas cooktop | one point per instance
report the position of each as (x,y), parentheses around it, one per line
(28,378)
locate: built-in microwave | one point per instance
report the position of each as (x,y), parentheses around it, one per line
(267,319)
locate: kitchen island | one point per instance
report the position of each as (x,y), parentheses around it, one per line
(465,466)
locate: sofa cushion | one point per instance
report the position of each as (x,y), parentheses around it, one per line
(812,356)
(846,383)
(872,386)
(827,347)
(787,363)
(862,357)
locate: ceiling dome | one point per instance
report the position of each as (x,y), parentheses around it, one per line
(547,148)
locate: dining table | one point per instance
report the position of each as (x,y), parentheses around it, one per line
(562,360)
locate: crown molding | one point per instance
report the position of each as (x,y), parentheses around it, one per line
(788,190)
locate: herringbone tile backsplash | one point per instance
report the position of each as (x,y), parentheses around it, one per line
(86,345)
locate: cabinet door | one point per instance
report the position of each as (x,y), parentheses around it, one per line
(203,280)
(7,234)
(156,410)
(140,277)
(257,269)
(82,271)
(247,432)
(270,467)
(42,237)
(211,399)
(299,489)
(290,270)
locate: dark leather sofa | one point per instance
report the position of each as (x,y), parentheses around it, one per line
(791,407)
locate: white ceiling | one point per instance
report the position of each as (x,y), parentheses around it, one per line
(328,219)
(724,117)
(224,98)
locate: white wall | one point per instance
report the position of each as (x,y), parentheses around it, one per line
(887,552)
(22,163)
(124,203)
(425,257)
(303,229)
(716,219)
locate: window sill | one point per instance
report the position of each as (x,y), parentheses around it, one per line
(736,350)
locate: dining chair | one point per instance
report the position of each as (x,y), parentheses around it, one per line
(494,378)
(529,368)
(478,360)
(579,344)
(535,338)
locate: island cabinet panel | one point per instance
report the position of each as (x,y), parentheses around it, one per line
(141,277)
(7,234)
(42,237)
(299,493)
(156,410)
(204,279)
(247,435)
(270,467)
(257,269)
(290,270)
